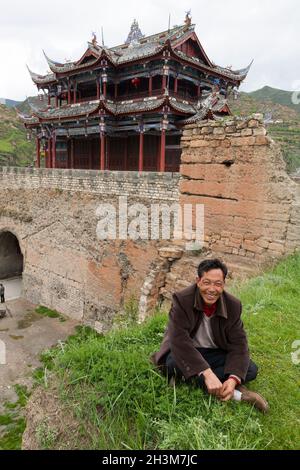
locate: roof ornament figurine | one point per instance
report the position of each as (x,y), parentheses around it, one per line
(188,18)
(135,34)
(94,39)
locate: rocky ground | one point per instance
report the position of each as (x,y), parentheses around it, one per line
(25,334)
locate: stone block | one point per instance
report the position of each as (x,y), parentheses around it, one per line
(230,129)
(253,123)
(206,130)
(259,131)
(219,130)
(246,132)
(199,143)
(262,140)
(241,125)
(243,141)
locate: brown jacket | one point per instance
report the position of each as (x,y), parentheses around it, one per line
(184,319)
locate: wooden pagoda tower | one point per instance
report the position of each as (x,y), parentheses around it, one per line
(123,108)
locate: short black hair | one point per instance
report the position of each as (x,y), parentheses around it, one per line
(209,264)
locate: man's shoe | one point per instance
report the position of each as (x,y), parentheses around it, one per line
(253,398)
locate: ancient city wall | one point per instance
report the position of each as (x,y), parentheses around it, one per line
(66,267)
(151,186)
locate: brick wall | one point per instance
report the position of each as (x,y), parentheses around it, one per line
(157,186)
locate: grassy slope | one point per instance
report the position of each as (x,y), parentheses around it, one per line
(287,133)
(122,402)
(12,421)
(14,148)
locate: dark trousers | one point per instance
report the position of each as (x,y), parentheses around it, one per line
(2,298)
(216,359)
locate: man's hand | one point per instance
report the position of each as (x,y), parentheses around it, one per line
(213,384)
(227,390)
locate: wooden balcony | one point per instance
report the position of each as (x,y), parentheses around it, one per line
(184,95)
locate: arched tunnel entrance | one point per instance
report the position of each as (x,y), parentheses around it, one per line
(11,258)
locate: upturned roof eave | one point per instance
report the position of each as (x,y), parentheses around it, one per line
(104,105)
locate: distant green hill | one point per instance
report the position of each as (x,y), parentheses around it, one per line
(15,150)
(285,128)
(24,107)
(247,104)
(274,95)
(9,103)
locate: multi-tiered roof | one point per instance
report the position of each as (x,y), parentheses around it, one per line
(161,80)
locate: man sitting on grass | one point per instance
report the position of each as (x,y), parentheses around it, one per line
(205,338)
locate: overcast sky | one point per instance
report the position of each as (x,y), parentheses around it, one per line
(232,33)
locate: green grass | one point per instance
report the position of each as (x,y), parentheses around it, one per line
(46,312)
(6,147)
(12,422)
(14,147)
(122,402)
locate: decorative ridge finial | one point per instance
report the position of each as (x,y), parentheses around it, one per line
(188,18)
(94,39)
(135,34)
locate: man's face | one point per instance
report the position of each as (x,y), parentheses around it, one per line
(211,285)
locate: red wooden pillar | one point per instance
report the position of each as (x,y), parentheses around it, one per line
(49,154)
(158,154)
(199,91)
(56,101)
(54,152)
(98,89)
(141,152)
(176,85)
(102,151)
(72,153)
(162,162)
(49,99)
(116,91)
(69,94)
(164,82)
(104,89)
(38,153)
(150,85)
(74,93)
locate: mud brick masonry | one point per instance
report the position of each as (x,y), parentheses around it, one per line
(252,217)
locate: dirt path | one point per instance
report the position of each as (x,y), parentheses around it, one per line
(25,334)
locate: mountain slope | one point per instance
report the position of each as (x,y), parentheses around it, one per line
(9,103)
(15,150)
(285,128)
(276,96)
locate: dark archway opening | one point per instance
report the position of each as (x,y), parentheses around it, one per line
(11,258)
